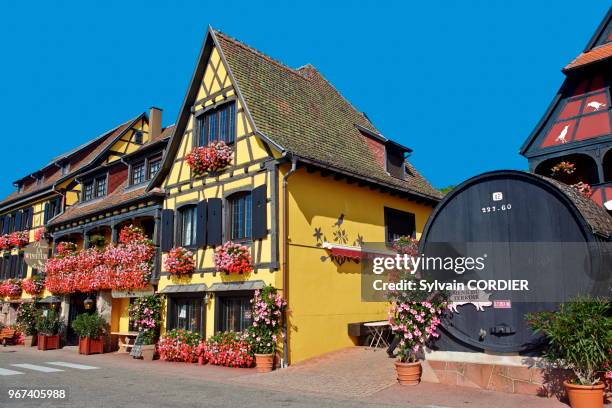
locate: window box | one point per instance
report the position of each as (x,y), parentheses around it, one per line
(48,342)
(211,158)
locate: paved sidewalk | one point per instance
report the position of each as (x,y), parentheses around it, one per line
(350,376)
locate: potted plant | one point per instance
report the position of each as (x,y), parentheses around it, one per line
(48,327)
(27,316)
(90,328)
(145,312)
(579,338)
(268,308)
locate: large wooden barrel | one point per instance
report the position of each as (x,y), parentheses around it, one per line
(508,208)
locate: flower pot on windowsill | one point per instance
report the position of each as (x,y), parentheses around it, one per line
(87,345)
(48,342)
(147,351)
(264,362)
(408,373)
(584,396)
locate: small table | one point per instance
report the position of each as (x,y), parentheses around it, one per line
(377,330)
(126,340)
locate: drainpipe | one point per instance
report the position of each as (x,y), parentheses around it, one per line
(285,263)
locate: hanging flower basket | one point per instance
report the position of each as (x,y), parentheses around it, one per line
(10,288)
(213,157)
(179,262)
(34,285)
(39,234)
(233,258)
(563,167)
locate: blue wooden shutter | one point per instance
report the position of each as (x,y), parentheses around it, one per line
(259,212)
(167,230)
(214,222)
(17,225)
(201,224)
(46,216)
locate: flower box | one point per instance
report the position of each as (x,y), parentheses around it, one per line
(48,342)
(88,345)
(233,258)
(213,157)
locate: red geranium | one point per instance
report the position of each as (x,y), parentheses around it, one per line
(233,258)
(213,157)
(10,288)
(179,261)
(34,285)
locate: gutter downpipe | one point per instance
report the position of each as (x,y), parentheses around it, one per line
(285,263)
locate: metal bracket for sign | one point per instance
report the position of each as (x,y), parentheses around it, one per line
(137,347)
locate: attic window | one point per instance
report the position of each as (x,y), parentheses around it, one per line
(217,124)
(138,137)
(396,164)
(65,168)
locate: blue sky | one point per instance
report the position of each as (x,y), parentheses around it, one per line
(461,82)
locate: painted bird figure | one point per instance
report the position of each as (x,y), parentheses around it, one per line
(561,137)
(596,105)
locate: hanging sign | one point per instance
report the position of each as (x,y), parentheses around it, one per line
(36,254)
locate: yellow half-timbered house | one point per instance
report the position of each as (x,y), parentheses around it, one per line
(311,178)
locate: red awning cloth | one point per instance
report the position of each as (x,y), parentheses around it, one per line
(354,252)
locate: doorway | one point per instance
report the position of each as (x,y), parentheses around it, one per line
(77,307)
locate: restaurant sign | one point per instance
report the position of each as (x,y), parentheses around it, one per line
(119,294)
(36,254)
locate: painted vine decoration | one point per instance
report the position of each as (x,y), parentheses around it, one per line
(233,258)
(214,157)
(179,262)
(340,236)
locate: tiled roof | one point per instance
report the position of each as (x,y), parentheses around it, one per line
(114,199)
(303,113)
(82,157)
(596,54)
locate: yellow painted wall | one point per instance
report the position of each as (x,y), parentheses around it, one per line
(324,296)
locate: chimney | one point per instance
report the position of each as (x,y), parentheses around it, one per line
(155,123)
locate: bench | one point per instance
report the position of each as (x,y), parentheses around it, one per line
(8,335)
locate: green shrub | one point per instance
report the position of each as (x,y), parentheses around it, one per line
(579,336)
(49,324)
(89,325)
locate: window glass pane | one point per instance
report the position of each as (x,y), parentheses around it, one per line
(88,194)
(223,124)
(138,173)
(101,187)
(154,166)
(188,227)
(232,123)
(213,128)
(235,313)
(240,216)
(187,314)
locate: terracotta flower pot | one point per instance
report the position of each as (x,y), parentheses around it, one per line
(88,346)
(48,342)
(585,396)
(147,351)
(408,373)
(29,341)
(264,362)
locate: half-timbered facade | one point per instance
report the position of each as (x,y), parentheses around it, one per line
(577,127)
(311,179)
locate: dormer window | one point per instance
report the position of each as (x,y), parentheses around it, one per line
(65,168)
(138,137)
(144,170)
(217,124)
(94,188)
(396,162)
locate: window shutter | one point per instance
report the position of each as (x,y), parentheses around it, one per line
(214,222)
(201,224)
(57,208)
(46,217)
(30,217)
(18,217)
(259,212)
(167,230)
(23,267)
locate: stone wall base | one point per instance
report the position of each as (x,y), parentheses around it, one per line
(497,377)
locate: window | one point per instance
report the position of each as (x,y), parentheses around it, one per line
(154,166)
(186,313)
(217,124)
(138,138)
(399,223)
(240,218)
(138,173)
(65,168)
(234,312)
(101,186)
(88,192)
(187,225)
(396,163)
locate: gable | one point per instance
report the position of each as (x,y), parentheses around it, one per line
(130,141)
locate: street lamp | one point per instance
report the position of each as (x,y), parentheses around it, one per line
(88,303)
